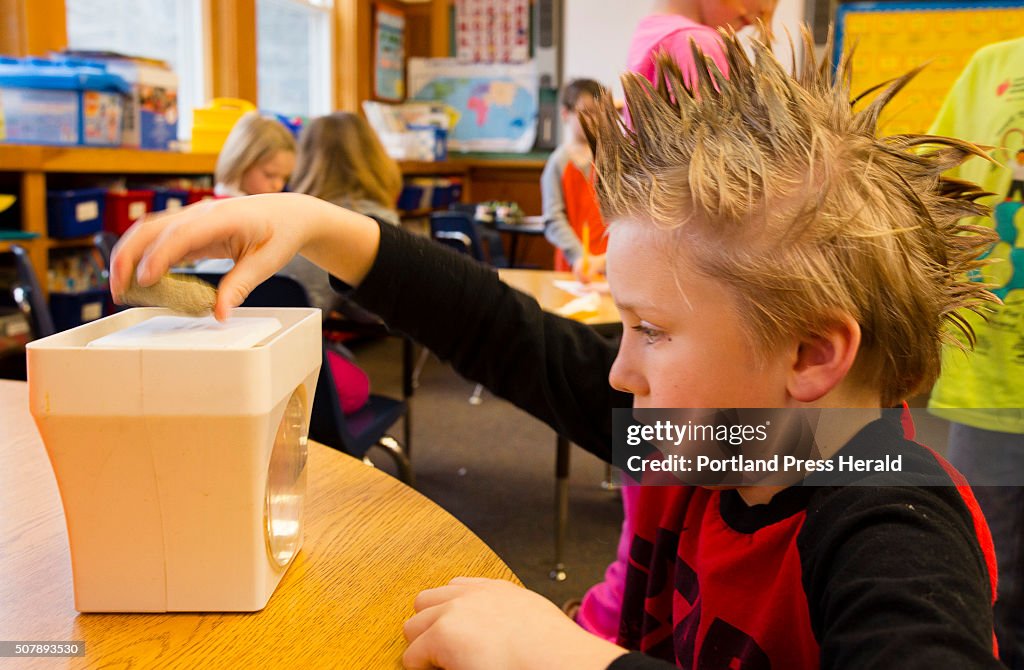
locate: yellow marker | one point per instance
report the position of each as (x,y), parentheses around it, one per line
(585,266)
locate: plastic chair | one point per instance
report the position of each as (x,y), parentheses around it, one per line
(455,228)
(104,242)
(356,433)
(28,295)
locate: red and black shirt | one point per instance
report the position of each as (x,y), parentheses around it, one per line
(875,575)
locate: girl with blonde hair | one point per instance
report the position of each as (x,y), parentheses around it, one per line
(342,161)
(257,157)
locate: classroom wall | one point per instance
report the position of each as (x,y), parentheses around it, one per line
(596,35)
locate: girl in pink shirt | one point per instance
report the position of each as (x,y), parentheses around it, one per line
(671,28)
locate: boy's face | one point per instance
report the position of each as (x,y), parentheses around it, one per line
(682,344)
(571,117)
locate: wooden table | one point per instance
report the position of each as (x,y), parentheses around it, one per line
(541,285)
(371,544)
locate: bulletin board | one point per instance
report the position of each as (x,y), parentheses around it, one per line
(389,53)
(492,31)
(892,38)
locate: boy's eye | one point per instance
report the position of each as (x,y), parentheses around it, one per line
(650,335)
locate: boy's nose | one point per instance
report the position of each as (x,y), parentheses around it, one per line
(624,377)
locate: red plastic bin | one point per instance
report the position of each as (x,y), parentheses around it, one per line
(197,194)
(125,208)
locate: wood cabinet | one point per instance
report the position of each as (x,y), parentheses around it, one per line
(35,168)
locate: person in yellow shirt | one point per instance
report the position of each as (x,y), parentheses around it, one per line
(983,394)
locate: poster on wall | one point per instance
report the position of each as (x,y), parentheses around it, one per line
(389,54)
(893,38)
(492,31)
(496,103)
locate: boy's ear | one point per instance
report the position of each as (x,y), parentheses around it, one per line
(822,361)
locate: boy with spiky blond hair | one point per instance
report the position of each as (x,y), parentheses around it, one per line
(766,251)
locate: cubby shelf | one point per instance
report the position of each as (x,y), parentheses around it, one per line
(35,164)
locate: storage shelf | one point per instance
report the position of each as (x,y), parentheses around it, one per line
(6,244)
(503,177)
(70,242)
(16,158)
(463,165)
(36,164)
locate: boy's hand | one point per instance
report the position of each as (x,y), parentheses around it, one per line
(260,233)
(495,625)
(589,268)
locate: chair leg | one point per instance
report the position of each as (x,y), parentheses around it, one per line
(394,449)
(420,364)
(477,398)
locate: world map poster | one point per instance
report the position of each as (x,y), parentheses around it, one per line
(497,103)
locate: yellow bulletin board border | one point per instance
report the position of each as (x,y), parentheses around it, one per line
(891,38)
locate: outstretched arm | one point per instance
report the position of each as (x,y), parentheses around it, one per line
(260,233)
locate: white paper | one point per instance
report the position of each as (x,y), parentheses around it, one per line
(588,304)
(578,288)
(183,332)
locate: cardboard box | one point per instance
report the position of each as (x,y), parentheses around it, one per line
(151,110)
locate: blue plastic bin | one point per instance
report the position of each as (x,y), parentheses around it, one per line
(411,198)
(445,194)
(76,212)
(59,102)
(73,309)
(169,198)
(39,103)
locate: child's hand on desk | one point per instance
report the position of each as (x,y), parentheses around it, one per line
(261,233)
(589,268)
(488,623)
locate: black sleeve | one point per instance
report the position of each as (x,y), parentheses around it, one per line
(554,368)
(634,660)
(895,578)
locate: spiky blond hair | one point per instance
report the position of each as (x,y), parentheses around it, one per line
(773,185)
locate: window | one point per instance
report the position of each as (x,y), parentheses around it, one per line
(293,43)
(169,30)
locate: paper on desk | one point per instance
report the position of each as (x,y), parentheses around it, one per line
(581,307)
(578,288)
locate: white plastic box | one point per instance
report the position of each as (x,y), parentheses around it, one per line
(180,457)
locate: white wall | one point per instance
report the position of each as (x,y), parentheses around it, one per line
(597,33)
(596,36)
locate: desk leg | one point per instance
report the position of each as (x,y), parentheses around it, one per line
(609,480)
(513,248)
(562,447)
